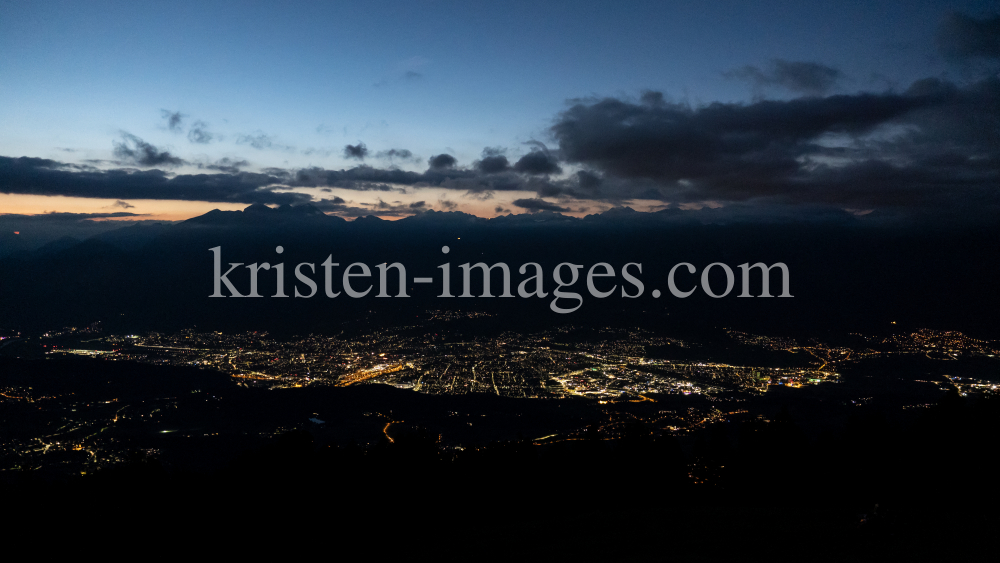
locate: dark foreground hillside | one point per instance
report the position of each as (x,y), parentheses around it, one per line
(873,491)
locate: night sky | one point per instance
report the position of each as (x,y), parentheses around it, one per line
(765,111)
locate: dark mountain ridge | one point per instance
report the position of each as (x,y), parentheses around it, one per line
(850,276)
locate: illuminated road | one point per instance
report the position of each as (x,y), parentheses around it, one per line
(363,375)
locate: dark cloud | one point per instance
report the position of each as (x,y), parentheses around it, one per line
(198,133)
(358,151)
(650,194)
(39,176)
(133,150)
(122,204)
(537,162)
(357,178)
(228,165)
(963,36)
(372,178)
(339,207)
(396,209)
(319,152)
(442,162)
(362,178)
(673,141)
(934,147)
(173,118)
(652,98)
(499,209)
(588,181)
(800,77)
(282,175)
(476,182)
(480,195)
(493,164)
(535,204)
(445,204)
(259,141)
(396,154)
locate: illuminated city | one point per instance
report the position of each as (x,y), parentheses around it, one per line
(623,375)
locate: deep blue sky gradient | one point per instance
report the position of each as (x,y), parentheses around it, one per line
(429,77)
(74,73)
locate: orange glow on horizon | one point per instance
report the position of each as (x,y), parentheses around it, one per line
(143,209)
(179,210)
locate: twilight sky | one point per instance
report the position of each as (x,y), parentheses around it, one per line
(766,109)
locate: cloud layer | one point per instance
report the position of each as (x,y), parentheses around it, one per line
(929,150)
(40,176)
(133,150)
(934,145)
(801,77)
